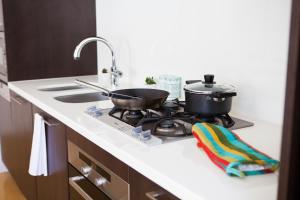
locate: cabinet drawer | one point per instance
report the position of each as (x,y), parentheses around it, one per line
(141,188)
(109,161)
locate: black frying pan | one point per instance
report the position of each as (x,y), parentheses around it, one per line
(133,99)
(148,98)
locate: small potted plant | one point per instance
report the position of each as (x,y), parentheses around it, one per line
(150,82)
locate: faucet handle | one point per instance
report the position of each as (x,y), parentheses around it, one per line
(117,73)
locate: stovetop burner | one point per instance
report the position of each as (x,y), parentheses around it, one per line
(170,127)
(162,123)
(171,106)
(167,123)
(133,115)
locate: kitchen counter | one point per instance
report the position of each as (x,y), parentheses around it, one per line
(180,167)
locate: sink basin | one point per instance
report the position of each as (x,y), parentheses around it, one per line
(82,98)
(61,88)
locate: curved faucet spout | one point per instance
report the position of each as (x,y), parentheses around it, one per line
(115,73)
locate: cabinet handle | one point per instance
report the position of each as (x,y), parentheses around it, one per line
(154,195)
(18,100)
(50,123)
(73,184)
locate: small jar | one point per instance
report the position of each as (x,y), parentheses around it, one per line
(172,84)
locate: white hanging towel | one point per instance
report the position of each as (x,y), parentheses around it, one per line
(38,159)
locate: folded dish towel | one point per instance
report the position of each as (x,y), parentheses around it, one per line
(230,153)
(38,158)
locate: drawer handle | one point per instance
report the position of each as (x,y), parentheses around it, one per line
(73,184)
(154,195)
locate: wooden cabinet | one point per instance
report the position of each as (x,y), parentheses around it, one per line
(55,185)
(16,149)
(142,188)
(17,154)
(41,36)
(5,130)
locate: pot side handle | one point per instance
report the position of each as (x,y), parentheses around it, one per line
(222,95)
(192,81)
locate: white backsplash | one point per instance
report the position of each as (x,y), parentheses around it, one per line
(244,43)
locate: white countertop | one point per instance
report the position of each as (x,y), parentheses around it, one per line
(180,167)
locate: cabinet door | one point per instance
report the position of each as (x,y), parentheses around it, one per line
(142,188)
(18,154)
(5,131)
(55,185)
(41,36)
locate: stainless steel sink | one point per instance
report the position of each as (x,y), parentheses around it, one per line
(62,88)
(82,98)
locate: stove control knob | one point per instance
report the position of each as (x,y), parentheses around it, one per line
(136,132)
(86,169)
(145,135)
(100,181)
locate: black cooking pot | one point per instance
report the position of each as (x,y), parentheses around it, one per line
(208,99)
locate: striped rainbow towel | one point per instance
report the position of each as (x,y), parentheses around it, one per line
(230,153)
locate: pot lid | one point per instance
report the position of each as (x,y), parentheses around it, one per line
(208,86)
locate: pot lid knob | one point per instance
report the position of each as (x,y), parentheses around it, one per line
(209,79)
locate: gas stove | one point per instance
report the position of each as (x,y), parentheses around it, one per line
(169,123)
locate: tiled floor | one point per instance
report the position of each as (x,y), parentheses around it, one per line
(9,189)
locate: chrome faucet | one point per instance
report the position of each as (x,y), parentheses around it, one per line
(115,73)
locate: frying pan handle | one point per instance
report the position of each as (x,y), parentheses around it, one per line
(106,91)
(95,87)
(222,95)
(192,81)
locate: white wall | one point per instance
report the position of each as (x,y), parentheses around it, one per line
(242,42)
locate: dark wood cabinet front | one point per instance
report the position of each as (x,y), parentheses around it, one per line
(16,150)
(18,154)
(41,36)
(142,188)
(5,132)
(55,185)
